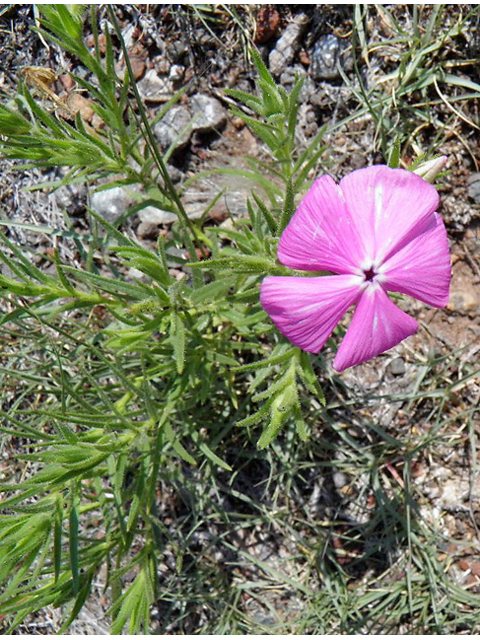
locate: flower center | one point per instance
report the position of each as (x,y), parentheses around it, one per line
(369,274)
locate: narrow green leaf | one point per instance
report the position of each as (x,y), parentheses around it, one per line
(241,264)
(213,457)
(281,409)
(82,596)
(394,158)
(73,531)
(307,374)
(57,541)
(250,101)
(267,362)
(177,339)
(213,290)
(177,446)
(255,417)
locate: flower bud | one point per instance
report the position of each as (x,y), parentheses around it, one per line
(430,170)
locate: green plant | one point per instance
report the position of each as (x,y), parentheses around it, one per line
(143,370)
(427,71)
(164,440)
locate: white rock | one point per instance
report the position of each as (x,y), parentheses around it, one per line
(177,71)
(154,216)
(155,88)
(111,203)
(208,114)
(174,128)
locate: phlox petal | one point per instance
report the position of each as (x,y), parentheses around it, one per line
(422,269)
(390,208)
(306,310)
(377,325)
(321,235)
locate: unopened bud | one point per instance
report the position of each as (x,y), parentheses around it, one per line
(430,170)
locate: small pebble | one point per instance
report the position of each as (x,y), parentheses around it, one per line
(208,114)
(339,479)
(463,565)
(282,56)
(238,123)
(268,23)
(67,81)
(473,190)
(304,57)
(174,127)
(155,88)
(177,72)
(111,203)
(463,302)
(325,58)
(138,66)
(397,367)
(82,105)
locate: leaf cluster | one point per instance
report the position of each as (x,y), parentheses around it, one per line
(276,126)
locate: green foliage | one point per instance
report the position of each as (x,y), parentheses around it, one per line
(142,374)
(278,111)
(426,74)
(120,387)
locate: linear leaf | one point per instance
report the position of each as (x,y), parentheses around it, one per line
(73,531)
(177,338)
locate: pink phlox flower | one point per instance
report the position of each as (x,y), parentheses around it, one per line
(377,231)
